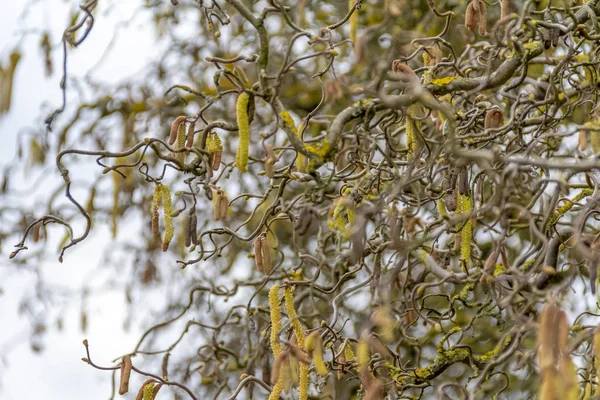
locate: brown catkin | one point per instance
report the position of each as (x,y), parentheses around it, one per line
(217,205)
(216,160)
(280,360)
(125,374)
(174,128)
(188,231)
(400,68)
(223,206)
(547,337)
(269,167)
(482,19)
(450,200)
(463,182)
(583,140)
(258,254)
(190,135)
(180,155)
(194,228)
(36,232)
(504,8)
(471,17)
(266,253)
(494,118)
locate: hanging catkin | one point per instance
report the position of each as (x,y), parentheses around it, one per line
(275,307)
(241,157)
(125,374)
(175,128)
(167,211)
(288,296)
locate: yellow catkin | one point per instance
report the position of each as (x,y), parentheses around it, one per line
(595,141)
(362,355)
(156,203)
(318,360)
(149,391)
(275,307)
(464,207)
(288,295)
(241,157)
(353,20)
(167,211)
(411,130)
(441,208)
(277,389)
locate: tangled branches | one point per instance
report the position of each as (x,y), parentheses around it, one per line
(415,183)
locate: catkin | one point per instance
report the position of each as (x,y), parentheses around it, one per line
(190,135)
(463,182)
(288,296)
(156,203)
(194,228)
(314,344)
(188,231)
(220,205)
(471,17)
(223,206)
(400,68)
(241,157)
(175,128)
(146,390)
(167,211)
(266,253)
(362,356)
(482,18)
(412,128)
(275,308)
(180,145)
(258,255)
(155,390)
(125,374)
(214,146)
(276,368)
(583,141)
(217,204)
(464,207)
(504,8)
(595,141)
(493,118)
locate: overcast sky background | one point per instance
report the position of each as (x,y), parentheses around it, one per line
(58,372)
